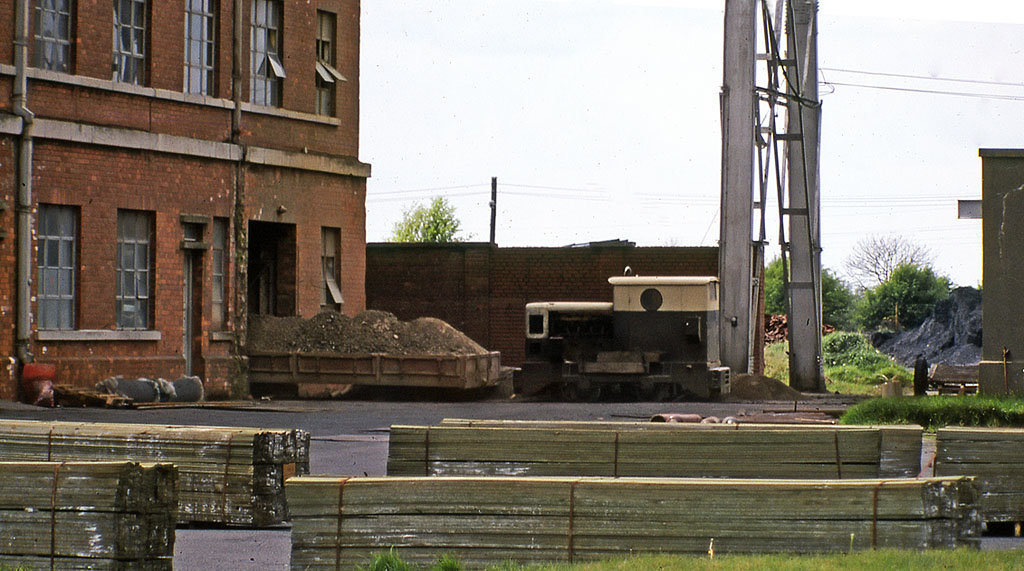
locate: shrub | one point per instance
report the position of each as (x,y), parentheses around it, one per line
(847,348)
(849,357)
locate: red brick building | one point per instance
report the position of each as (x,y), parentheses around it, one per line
(167,168)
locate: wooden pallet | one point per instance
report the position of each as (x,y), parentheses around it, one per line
(72,397)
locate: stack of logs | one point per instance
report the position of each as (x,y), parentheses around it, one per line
(776,328)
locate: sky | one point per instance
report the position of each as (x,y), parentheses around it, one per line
(600,119)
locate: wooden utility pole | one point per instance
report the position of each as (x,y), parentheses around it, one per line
(735,247)
(805,360)
(494,206)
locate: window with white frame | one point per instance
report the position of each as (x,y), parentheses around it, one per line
(330,294)
(52,47)
(56,238)
(200,46)
(130,39)
(134,266)
(327,75)
(218,272)
(266,70)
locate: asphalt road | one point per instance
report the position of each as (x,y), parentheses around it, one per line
(349,438)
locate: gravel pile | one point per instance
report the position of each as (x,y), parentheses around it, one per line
(746,387)
(951,335)
(368,332)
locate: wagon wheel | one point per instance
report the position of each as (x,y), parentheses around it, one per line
(657,392)
(573,392)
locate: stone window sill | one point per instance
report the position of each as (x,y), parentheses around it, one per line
(98,335)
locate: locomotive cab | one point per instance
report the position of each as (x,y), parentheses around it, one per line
(657,339)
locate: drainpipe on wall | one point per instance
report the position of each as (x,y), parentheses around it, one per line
(239,381)
(23,208)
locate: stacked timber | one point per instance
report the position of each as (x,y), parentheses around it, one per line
(995,457)
(230,476)
(87,515)
(467,448)
(340,522)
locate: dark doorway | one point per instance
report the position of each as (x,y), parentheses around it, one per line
(192,345)
(271,284)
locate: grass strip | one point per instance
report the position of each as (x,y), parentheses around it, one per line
(935,412)
(963,558)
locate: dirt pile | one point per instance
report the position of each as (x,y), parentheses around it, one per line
(951,335)
(758,387)
(368,332)
(776,328)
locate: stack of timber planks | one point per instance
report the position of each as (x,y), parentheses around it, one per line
(340,522)
(227,475)
(496,448)
(87,515)
(995,456)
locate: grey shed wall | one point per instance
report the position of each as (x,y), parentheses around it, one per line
(1002,176)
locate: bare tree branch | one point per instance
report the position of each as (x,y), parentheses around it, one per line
(875,257)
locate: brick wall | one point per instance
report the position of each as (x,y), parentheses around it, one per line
(92,57)
(8,190)
(99,182)
(100,179)
(483,290)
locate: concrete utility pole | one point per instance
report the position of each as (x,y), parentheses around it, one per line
(804,118)
(494,207)
(735,247)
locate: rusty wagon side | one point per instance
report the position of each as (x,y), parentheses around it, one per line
(377,369)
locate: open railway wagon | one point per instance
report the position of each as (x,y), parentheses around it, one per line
(372,348)
(656,340)
(434,371)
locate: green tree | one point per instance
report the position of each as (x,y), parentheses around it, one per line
(875,258)
(774,290)
(434,223)
(904,300)
(837,301)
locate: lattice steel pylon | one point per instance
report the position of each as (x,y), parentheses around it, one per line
(785,93)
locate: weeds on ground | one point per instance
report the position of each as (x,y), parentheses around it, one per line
(852,365)
(391,561)
(387,561)
(938,411)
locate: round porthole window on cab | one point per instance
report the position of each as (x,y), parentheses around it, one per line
(651,299)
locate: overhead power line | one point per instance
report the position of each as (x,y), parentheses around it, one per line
(924,77)
(930,91)
(542,187)
(435,189)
